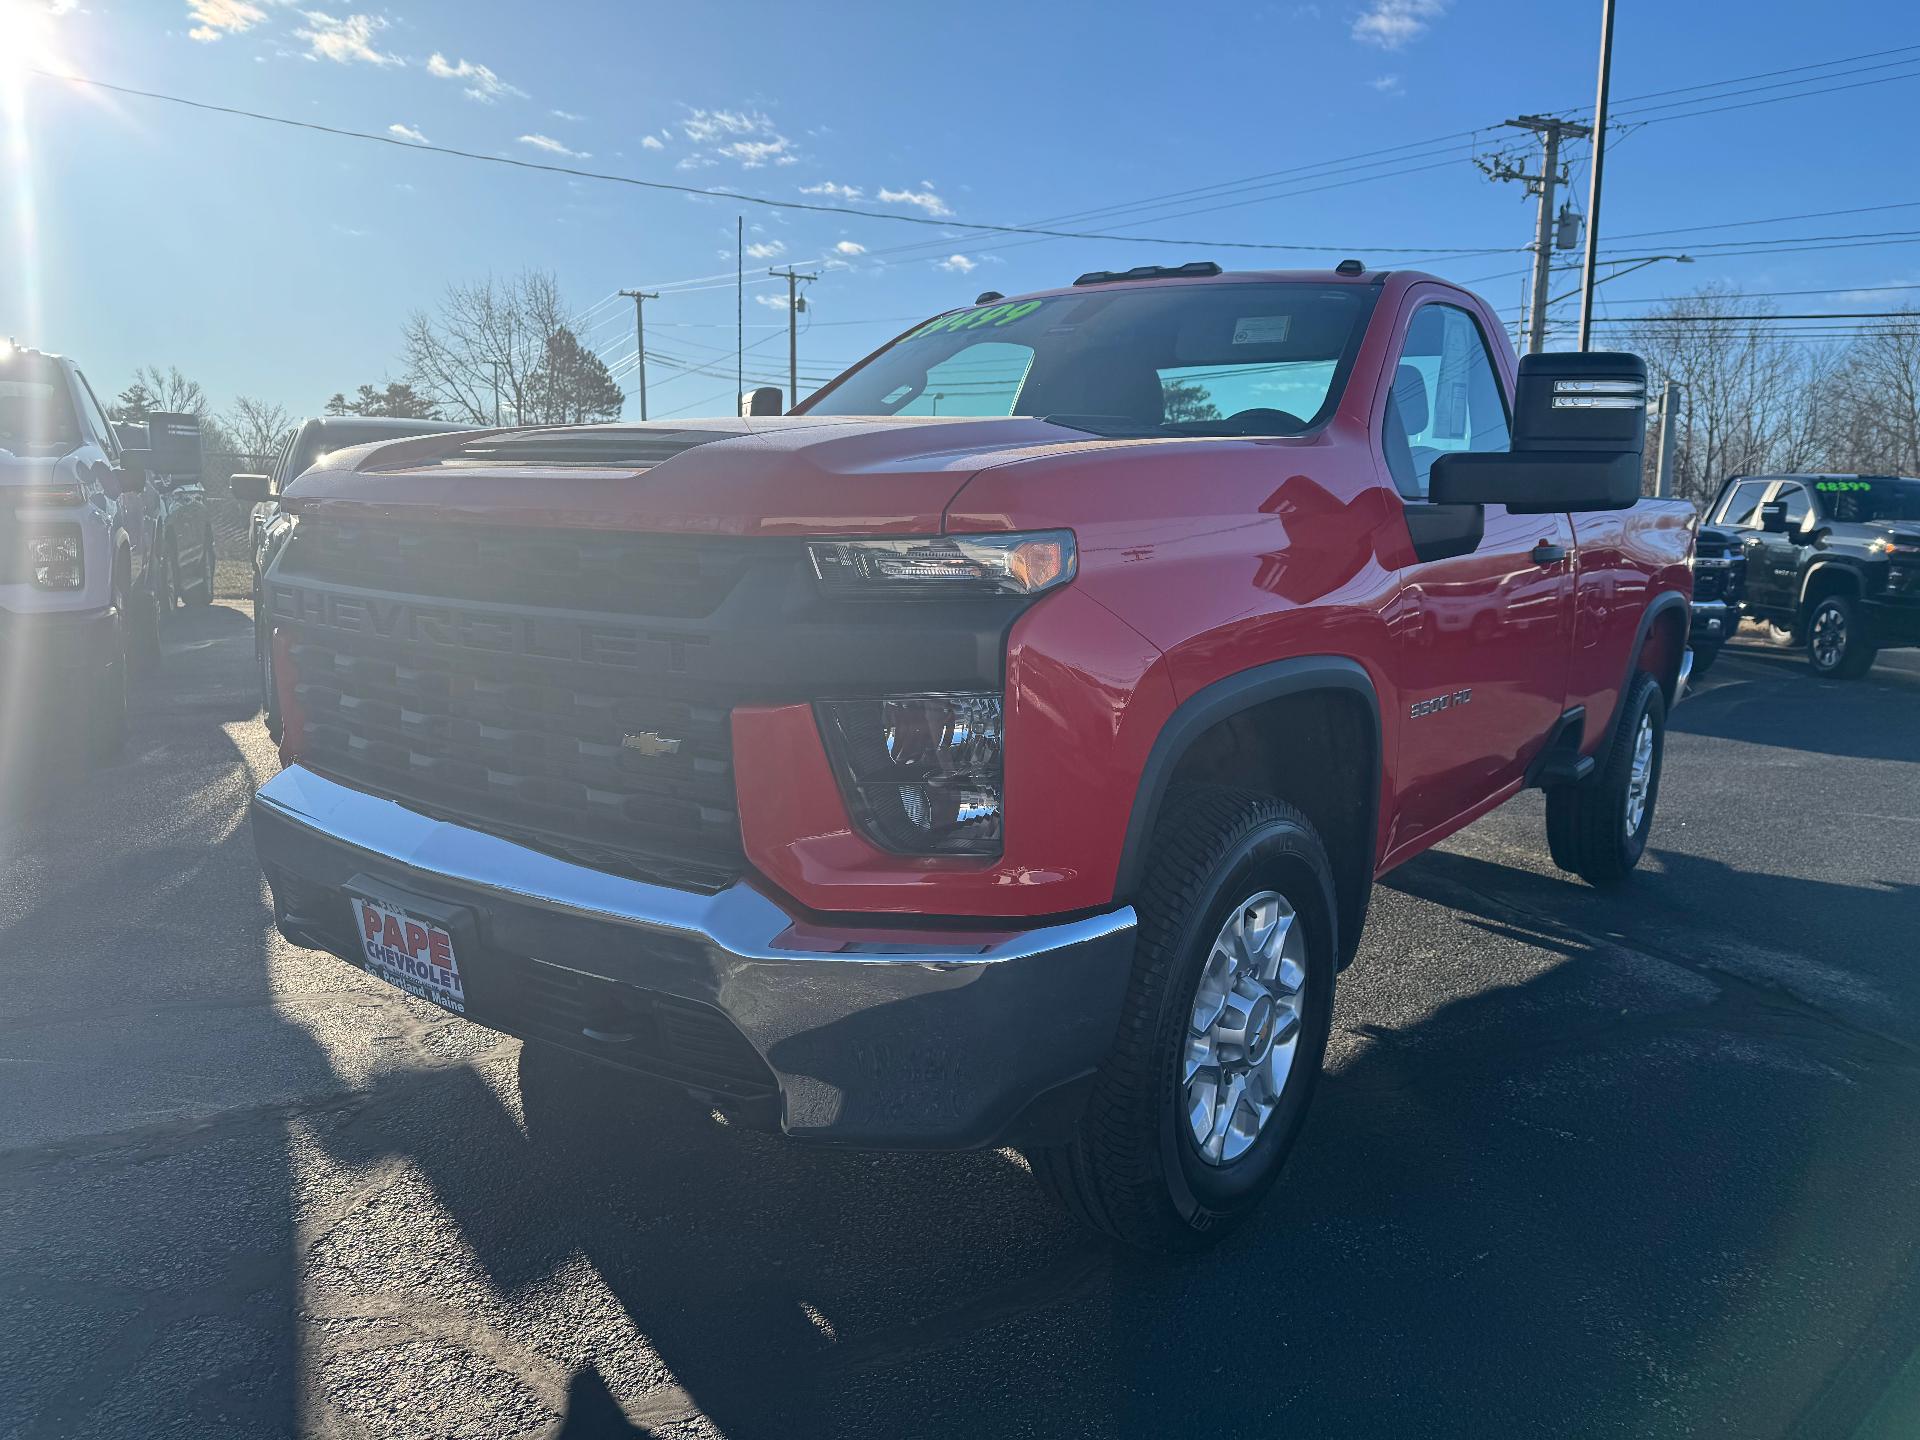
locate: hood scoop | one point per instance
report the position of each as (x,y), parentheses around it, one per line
(589,448)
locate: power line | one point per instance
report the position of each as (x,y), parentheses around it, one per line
(739,197)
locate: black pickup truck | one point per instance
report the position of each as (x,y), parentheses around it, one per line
(1832,560)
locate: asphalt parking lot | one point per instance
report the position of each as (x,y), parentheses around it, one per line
(1639,1166)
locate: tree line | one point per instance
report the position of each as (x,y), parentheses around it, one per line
(1758,399)
(491,350)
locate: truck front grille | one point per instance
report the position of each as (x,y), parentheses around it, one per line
(586,732)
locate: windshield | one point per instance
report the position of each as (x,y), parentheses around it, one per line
(36,413)
(1219,359)
(1861,499)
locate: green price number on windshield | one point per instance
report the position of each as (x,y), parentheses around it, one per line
(992,316)
(1832,485)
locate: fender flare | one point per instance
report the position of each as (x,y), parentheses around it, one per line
(1834,564)
(1227,697)
(1665,601)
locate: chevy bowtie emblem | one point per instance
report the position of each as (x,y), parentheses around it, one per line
(649,743)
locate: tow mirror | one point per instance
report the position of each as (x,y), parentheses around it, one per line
(1773,517)
(763,401)
(250,489)
(1579,431)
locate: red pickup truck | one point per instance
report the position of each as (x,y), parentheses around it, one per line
(1001,748)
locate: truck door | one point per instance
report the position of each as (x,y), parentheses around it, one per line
(1483,639)
(1774,561)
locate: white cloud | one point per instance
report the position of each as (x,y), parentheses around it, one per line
(407,132)
(921,199)
(565,115)
(696,161)
(752,154)
(553,147)
(215,18)
(344,41)
(1386,84)
(772,302)
(703,126)
(482,83)
(1392,24)
(651,142)
(851,247)
(959,264)
(833,191)
(766,249)
(749,138)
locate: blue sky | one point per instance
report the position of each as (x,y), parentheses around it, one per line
(281,263)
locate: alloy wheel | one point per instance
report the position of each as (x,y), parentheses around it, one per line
(1244,1027)
(1640,777)
(1829,637)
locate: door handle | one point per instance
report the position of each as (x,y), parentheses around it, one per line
(1547,553)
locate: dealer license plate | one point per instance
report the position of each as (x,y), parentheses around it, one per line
(410,952)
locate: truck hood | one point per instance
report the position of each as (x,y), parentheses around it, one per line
(786,475)
(25,470)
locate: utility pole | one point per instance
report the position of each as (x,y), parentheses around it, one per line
(793,278)
(496,390)
(1669,437)
(739,310)
(1551,130)
(1599,161)
(640,298)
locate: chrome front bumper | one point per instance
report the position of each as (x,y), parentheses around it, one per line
(876,1033)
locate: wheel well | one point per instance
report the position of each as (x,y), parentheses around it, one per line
(1661,651)
(1827,580)
(1318,751)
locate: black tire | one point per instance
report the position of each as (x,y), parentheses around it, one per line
(200,593)
(1704,656)
(1840,643)
(1587,831)
(107,705)
(593,1114)
(1134,1170)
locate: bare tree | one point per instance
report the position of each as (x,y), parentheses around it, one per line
(164,390)
(1874,396)
(256,429)
(1751,398)
(487,334)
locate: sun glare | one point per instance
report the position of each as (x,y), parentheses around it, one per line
(26,43)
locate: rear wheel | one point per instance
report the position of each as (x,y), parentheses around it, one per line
(1224,1028)
(1840,644)
(1598,828)
(143,622)
(1704,656)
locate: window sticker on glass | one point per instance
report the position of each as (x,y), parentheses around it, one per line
(986,317)
(1836,486)
(1262,329)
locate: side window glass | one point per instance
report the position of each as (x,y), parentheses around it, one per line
(1445,397)
(1743,505)
(1798,505)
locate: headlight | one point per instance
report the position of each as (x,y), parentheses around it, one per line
(922,774)
(945,565)
(53,558)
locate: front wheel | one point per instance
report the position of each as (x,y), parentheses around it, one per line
(1598,827)
(1223,1032)
(1839,644)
